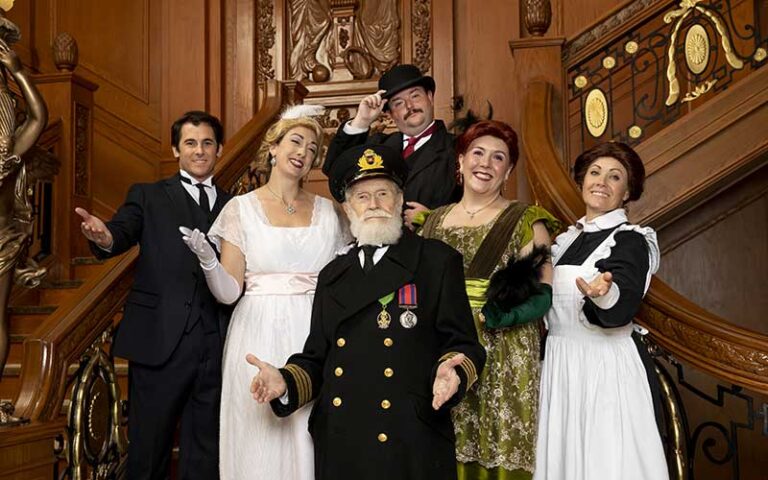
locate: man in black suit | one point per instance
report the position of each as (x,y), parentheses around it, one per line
(426,145)
(392,345)
(172,331)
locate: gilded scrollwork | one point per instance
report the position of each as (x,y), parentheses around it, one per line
(97,439)
(699,90)
(678,15)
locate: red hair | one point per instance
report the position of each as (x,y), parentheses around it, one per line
(491,128)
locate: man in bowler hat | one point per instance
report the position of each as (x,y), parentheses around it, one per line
(392,345)
(426,145)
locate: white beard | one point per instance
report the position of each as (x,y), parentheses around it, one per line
(376,233)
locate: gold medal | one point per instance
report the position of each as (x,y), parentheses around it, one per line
(383,318)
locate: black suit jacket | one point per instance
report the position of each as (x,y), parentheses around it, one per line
(369,381)
(169,287)
(431,169)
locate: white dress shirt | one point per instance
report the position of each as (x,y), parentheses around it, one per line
(191,188)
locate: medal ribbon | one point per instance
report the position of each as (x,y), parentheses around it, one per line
(386,299)
(407,296)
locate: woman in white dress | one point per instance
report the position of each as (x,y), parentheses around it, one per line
(274,241)
(596,413)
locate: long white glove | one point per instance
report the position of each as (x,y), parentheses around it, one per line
(222,285)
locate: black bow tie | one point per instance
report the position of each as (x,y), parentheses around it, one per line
(205,204)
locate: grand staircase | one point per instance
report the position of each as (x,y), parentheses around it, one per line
(714,370)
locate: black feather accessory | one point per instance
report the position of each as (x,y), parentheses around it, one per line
(462,124)
(519,280)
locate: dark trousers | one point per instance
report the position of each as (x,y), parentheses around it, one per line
(187,388)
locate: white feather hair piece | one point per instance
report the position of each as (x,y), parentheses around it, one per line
(302,110)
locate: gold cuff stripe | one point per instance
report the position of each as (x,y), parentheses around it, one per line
(467,365)
(303,383)
(447,356)
(470,371)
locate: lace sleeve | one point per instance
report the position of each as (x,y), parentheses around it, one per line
(228,226)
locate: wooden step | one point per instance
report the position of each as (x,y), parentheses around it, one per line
(26,323)
(52,293)
(84,267)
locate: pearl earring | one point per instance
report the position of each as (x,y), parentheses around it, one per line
(273,161)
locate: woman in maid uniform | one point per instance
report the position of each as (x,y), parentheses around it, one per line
(596,414)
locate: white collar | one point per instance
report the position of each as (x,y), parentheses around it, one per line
(208,182)
(406,137)
(605,221)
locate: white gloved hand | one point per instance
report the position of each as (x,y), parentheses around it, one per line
(198,244)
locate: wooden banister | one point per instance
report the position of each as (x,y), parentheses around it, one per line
(63,337)
(687,331)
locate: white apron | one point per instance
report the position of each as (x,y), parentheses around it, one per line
(596,419)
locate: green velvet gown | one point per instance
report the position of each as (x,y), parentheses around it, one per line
(495,424)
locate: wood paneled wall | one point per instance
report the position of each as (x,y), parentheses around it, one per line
(717,255)
(152,60)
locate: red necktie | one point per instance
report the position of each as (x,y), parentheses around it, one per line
(412,141)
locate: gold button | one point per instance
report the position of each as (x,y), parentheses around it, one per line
(385,404)
(388,372)
(382,437)
(337,402)
(341,342)
(339,371)
(388,342)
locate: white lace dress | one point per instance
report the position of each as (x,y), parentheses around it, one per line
(271,321)
(596,418)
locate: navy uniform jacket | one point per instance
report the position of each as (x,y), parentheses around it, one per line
(372,387)
(169,288)
(432,168)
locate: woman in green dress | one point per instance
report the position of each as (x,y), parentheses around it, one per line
(496,422)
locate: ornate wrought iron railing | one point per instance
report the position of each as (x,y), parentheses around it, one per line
(632,82)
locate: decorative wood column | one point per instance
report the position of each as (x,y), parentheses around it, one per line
(70,98)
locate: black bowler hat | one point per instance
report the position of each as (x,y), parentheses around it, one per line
(401,77)
(363,162)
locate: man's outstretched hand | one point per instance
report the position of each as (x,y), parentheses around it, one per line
(268,384)
(94,229)
(447,381)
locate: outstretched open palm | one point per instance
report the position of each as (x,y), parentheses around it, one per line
(268,384)
(447,381)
